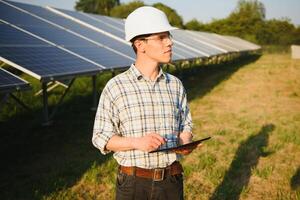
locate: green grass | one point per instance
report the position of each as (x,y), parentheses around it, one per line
(250,107)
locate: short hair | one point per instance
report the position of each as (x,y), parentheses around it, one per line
(138,38)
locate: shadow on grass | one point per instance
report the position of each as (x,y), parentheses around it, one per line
(37,161)
(246,158)
(295,181)
(198,81)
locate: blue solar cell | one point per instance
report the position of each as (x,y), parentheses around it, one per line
(104,24)
(6,38)
(80,29)
(61,37)
(116,26)
(38,58)
(10,82)
(120,23)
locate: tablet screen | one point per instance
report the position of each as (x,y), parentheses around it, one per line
(182,146)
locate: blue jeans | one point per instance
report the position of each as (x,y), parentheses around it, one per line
(136,188)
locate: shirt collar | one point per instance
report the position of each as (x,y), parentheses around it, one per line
(138,75)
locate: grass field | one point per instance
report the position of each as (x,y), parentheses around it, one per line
(251,108)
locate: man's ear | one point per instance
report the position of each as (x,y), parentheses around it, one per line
(140,46)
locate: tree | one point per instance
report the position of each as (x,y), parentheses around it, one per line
(123,10)
(193,25)
(196,25)
(250,8)
(102,7)
(248,22)
(296,36)
(244,21)
(247,18)
(173,17)
(276,31)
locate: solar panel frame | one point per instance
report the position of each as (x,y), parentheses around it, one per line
(10,82)
(64,37)
(30,56)
(181,49)
(102,38)
(77,42)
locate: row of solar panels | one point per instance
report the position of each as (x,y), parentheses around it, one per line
(51,44)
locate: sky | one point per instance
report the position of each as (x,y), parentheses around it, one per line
(202,10)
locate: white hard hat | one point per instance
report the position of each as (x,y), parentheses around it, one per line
(146,20)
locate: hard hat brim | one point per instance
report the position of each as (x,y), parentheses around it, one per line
(130,37)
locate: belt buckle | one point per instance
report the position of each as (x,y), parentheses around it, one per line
(159,174)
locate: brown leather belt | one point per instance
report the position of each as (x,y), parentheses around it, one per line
(157,174)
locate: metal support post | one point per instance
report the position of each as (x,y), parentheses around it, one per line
(45,105)
(95,97)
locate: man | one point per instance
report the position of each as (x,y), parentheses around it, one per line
(144,109)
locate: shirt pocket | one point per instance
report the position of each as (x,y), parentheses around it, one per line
(172,118)
(131,119)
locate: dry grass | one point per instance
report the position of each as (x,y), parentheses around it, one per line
(254,118)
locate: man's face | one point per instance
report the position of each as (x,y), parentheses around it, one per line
(158,47)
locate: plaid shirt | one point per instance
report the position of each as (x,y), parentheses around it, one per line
(132,106)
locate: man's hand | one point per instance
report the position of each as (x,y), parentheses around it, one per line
(187,150)
(149,142)
(184,138)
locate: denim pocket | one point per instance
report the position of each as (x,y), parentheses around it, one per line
(176,178)
(125,186)
(124,179)
(121,179)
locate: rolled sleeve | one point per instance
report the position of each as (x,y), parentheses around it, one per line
(106,122)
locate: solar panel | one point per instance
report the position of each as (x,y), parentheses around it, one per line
(120,23)
(203,50)
(108,40)
(232,42)
(54,44)
(10,82)
(181,48)
(38,58)
(101,48)
(245,44)
(116,27)
(213,40)
(101,22)
(60,36)
(183,52)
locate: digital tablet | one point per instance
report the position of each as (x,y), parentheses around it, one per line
(181,146)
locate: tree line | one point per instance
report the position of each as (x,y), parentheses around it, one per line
(247,20)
